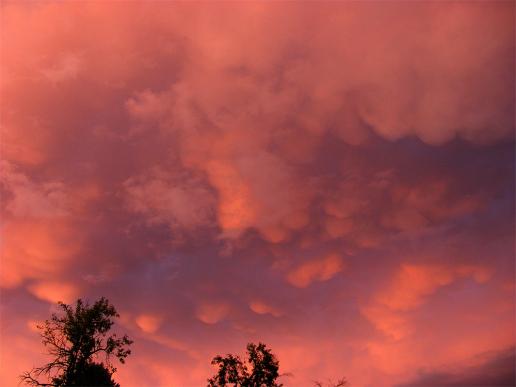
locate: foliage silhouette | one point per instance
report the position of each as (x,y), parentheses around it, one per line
(260,370)
(339,383)
(75,339)
(92,374)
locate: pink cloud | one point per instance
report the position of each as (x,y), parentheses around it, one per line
(196,165)
(316,270)
(212,312)
(261,307)
(179,201)
(54,292)
(148,323)
(409,289)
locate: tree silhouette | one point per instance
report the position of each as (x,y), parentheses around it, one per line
(260,370)
(339,383)
(78,340)
(92,374)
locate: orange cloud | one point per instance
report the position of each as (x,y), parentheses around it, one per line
(417,206)
(123,135)
(148,323)
(408,290)
(211,313)
(52,247)
(53,292)
(236,210)
(316,270)
(414,282)
(261,307)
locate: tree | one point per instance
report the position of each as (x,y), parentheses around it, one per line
(260,370)
(78,341)
(93,374)
(339,383)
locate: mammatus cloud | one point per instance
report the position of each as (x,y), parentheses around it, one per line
(178,201)
(148,323)
(261,307)
(408,290)
(336,180)
(315,270)
(212,312)
(54,292)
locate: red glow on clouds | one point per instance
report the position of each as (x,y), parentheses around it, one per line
(335,180)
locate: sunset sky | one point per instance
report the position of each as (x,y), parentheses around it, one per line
(333,179)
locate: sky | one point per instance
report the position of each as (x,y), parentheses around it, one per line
(334,179)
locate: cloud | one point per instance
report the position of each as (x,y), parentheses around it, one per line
(178,201)
(240,158)
(28,199)
(261,307)
(316,270)
(148,323)
(49,254)
(212,312)
(235,211)
(53,292)
(409,289)
(414,282)
(67,68)
(493,369)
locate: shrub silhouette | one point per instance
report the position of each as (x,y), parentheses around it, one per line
(77,339)
(260,370)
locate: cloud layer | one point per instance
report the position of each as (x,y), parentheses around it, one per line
(336,180)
